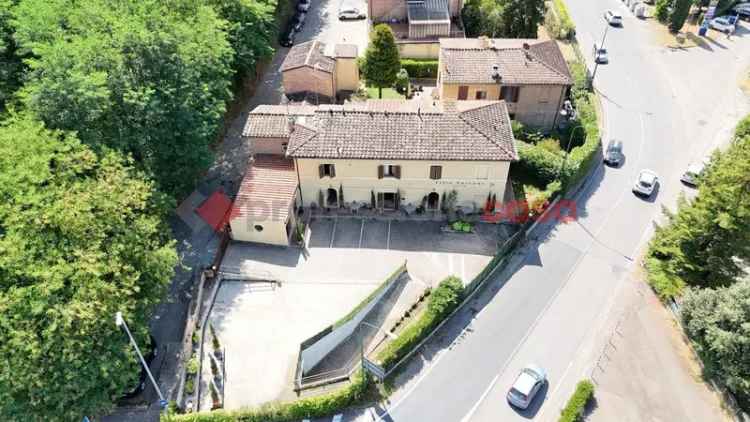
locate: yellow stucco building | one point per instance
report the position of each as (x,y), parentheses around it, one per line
(390,153)
(530,75)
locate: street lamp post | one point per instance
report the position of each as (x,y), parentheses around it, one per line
(569,113)
(596,50)
(120,322)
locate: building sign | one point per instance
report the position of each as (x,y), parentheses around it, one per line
(463,183)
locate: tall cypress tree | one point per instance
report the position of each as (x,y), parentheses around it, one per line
(381,63)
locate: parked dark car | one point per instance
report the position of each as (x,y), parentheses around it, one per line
(613,154)
(143,379)
(303,5)
(287,37)
(299,21)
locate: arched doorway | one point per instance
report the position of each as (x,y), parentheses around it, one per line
(433,200)
(332,199)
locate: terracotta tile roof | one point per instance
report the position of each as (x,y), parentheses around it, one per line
(273,121)
(470,61)
(310,54)
(407,130)
(267,190)
(347,51)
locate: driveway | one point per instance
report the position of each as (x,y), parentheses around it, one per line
(262,324)
(322,24)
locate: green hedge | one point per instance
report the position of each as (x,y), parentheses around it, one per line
(443,300)
(536,165)
(401,269)
(566,28)
(420,68)
(558,21)
(313,407)
(573,411)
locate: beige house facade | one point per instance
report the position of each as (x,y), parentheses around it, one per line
(403,154)
(392,154)
(531,76)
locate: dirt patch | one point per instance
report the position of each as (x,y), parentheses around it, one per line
(687,38)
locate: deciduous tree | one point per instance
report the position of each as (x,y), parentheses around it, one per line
(149,78)
(680,12)
(717,323)
(11,68)
(82,236)
(381,63)
(705,242)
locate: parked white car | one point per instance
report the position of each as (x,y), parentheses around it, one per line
(721,24)
(613,18)
(527,384)
(646,183)
(350,12)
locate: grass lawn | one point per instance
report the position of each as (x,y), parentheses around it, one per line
(388,94)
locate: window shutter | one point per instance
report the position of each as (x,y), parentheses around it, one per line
(380,172)
(436,172)
(516,93)
(397,172)
(333,170)
(320,171)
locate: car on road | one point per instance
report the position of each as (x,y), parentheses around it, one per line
(600,55)
(693,173)
(613,18)
(350,12)
(299,21)
(613,154)
(287,38)
(646,183)
(722,24)
(527,385)
(303,5)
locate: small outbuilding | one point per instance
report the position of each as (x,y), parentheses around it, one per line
(314,68)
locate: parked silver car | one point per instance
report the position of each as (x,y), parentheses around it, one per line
(646,183)
(527,385)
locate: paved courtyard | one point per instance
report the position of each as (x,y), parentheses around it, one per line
(262,324)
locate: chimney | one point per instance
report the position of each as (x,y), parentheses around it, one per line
(496,73)
(291,121)
(526,51)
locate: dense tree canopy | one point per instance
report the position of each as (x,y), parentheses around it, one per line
(10,64)
(381,63)
(503,18)
(82,237)
(149,78)
(251,28)
(707,242)
(717,323)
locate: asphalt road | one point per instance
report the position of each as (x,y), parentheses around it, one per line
(549,306)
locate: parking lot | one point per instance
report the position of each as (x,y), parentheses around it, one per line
(262,325)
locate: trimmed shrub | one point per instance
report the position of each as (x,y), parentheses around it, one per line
(417,68)
(743,129)
(192,365)
(313,407)
(535,165)
(573,411)
(563,24)
(190,386)
(442,301)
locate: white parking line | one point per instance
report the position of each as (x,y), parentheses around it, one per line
(388,240)
(333,231)
(361,233)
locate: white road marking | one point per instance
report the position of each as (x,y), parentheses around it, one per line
(361,233)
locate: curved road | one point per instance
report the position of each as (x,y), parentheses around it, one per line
(669,107)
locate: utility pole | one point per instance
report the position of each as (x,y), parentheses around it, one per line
(120,322)
(596,51)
